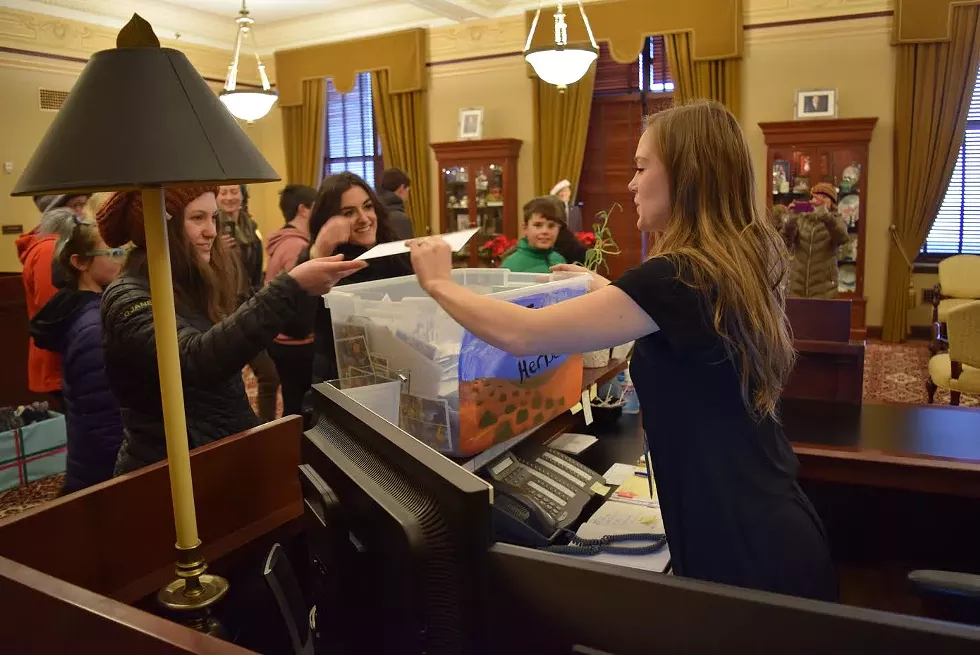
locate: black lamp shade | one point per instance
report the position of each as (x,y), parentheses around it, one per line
(141,117)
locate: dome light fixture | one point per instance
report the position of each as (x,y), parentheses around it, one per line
(561,64)
(247,104)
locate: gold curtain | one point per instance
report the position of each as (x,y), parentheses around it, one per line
(561,124)
(933,87)
(302,134)
(714,80)
(403,124)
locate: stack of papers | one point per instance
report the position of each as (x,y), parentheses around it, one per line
(636,490)
(615,518)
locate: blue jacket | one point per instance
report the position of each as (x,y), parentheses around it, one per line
(70,324)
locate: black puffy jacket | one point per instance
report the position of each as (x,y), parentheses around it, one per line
(211,360)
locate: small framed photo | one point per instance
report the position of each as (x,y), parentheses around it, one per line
(471,123)
(816,103)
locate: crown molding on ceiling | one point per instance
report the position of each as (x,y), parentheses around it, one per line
(205,28)
(189,25)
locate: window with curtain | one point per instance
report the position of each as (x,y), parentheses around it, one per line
(351,141)
(648,73)
(957,226)
(653,67)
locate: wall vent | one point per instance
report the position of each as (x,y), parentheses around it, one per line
(928,295)
(51,100)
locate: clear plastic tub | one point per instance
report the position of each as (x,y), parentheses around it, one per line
(459,394)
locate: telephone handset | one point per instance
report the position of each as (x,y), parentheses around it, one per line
(538,493)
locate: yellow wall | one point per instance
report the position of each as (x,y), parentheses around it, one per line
(22,123)
(499,85)
(853,56)
(856,58)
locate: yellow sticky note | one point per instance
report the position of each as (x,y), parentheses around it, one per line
(593,392)
(576,408)
(600,489)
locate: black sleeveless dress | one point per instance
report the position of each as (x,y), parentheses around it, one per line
(733,511)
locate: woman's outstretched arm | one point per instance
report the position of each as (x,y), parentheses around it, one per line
(601,319)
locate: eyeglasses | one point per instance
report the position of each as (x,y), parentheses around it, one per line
(113,253)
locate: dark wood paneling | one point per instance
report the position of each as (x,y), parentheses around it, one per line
(818,319)
(828,366)
(614,129)
(15,339)
(117,538)
(83,621)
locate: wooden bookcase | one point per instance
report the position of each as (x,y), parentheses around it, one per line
(478,188)
(827,150)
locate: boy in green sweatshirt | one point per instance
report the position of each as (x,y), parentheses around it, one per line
(535,253)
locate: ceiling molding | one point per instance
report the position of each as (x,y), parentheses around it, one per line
(205,28)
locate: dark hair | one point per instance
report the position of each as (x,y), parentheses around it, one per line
(211,289)
(394,178)
(548,207)
(82,239)
(328,198)
(294,196)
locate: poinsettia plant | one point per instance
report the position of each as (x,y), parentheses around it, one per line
(494,248)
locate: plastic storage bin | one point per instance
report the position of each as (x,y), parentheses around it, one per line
(458,394)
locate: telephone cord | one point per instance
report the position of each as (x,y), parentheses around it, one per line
(608,544)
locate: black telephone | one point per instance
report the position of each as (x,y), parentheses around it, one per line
(539,492)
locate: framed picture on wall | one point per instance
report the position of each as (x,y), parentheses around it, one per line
(816,103)
(471,123)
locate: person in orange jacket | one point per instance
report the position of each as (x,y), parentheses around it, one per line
(36,251)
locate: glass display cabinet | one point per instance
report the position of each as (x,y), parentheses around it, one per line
(803,153)
(478,188)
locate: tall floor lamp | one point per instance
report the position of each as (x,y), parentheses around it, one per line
(140,117)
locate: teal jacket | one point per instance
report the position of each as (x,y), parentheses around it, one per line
(531,260)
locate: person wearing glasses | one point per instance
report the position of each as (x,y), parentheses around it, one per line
(69,324)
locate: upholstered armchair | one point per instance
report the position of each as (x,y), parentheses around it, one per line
(959,283)
(959,369)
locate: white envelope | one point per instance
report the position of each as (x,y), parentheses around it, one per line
(456,240)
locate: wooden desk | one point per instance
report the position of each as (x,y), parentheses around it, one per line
(895,485)
(909,447)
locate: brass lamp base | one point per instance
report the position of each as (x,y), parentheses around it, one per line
(194,592)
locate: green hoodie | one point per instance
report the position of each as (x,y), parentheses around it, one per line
(531,260)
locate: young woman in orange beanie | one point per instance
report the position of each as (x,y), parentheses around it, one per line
(215,339)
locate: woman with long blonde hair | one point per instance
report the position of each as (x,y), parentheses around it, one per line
(713,352)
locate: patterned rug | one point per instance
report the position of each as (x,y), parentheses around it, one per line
(14,501)
(897,373)
(893,373)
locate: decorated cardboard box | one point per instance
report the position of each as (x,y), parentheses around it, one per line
(457,393)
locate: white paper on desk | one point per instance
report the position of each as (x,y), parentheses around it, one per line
(618,474)
(456,240)
(615,518)
(627,518)
(572,443)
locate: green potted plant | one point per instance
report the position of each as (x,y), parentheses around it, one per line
(595,258)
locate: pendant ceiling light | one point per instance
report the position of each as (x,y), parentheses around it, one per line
(561,64)
(247,104)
